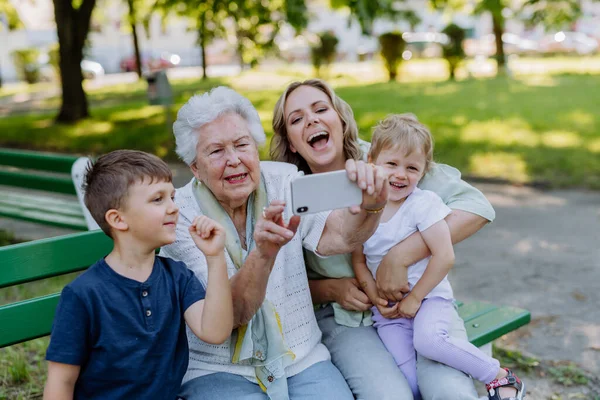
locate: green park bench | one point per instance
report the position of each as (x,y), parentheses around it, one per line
(29,319)
(43,188)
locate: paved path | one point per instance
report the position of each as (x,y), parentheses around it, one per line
(542,253)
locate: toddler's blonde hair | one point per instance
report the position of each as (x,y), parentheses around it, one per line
(402,132)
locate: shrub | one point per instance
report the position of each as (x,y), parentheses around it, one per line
(392,47)
(453,51)
(27,65)
(323,52)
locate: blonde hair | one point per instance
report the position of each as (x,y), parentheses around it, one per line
(280,144)
(402,131)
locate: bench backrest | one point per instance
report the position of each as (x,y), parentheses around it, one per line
(58,173)
(25,166)
(32,261)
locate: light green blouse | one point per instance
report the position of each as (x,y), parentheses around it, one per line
(441,179)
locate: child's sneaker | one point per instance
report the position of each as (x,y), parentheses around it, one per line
(510,380)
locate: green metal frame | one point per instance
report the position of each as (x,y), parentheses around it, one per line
(32,261)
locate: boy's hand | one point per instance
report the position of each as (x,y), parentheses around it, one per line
(271,232)
(409,306)
(208,235)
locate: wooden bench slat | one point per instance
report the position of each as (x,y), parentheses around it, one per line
(37,160)
(495,323)
(31,181)
(40,204)
(39,216)
(27,320)
(25,262)
(34,197)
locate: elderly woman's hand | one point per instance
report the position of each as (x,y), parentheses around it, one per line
(271,232)
(373,180)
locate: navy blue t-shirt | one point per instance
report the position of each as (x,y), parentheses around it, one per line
(128,337)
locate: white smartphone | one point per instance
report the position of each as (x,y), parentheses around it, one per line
(322,192)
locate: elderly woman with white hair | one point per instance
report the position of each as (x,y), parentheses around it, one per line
(275,350)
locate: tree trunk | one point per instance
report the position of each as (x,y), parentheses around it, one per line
(136,44)
(498,27)
(202,42)
(240,46)
(72,26)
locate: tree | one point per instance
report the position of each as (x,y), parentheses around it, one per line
(323,52)
(9,20)
(208,19)
(367,11)
(392,47)
(495,8)
(453,50)
(132,18)
(554,14)
(72,25)
(257,23)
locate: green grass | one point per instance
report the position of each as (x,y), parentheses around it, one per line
(530,129)
(23,367)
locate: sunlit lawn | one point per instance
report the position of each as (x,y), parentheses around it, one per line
(528,129)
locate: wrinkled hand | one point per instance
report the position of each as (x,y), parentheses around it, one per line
(392,279)
(271,232)
(349,295)
(373,181)
(409,306)
(208,235)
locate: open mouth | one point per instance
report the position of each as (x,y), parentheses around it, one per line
(236,178)
(318,140)
(398,185)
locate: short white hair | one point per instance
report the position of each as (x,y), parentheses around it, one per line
(205,108)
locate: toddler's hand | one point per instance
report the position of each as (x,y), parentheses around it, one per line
(208,235)
(409,306)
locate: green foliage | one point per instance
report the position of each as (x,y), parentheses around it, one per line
(552,14)
(323,52)
(27,65)
(11,16)
(392,46)
(453,51)
(514,359)
(7,237)
(367,11)
(568,375)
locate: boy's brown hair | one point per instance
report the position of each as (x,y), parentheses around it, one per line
(402,131)
(107,181)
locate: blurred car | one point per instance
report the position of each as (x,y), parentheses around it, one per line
(569,43)
(512,43)
(90,69)
(423,44)
(150,60)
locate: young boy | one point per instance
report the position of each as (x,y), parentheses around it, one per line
(119,330)
(404,147)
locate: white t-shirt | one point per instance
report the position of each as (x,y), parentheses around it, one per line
(287,288)
(420,210)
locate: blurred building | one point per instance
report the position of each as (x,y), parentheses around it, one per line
(110,40)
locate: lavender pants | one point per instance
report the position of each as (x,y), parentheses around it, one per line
(427,334)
